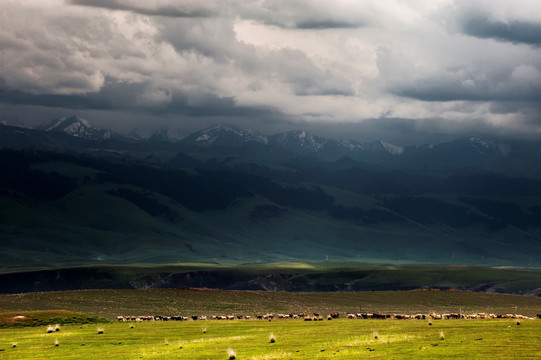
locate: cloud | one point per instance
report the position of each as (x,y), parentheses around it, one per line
(515,31)
(300,14)
(501,20)
(522,84)
(135,97)
(310,14)
(163,8)
(18,97)
(434,62)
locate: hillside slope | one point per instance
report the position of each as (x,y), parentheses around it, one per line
(81,208)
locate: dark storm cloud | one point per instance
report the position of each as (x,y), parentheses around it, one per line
(430,90)
(309,14)
(169,10)
(478,83)
(112,96)
(18,97)
(326,24)
(292,14)
(207,105)
(124,97)
(407,132)
(513,31)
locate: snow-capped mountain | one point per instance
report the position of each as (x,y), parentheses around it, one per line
(488,146)
(6,123)
(462,153)
(510,157)
(470,153)
(466,149)
(77,127)
(161,135)
(133,135)
(300,140)
(297,141)
(377,146)
(225,136)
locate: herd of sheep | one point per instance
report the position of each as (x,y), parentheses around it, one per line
(317,316)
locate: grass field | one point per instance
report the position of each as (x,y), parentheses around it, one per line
(186,302)
(47,317)
(295,339)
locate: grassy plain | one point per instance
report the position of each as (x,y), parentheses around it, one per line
(295,339)
(47,317)
(187,302)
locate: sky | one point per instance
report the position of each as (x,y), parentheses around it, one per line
(398,70)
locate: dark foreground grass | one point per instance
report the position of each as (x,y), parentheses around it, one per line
(295,339)
(186,302)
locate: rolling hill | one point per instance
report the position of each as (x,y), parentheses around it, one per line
(227,195)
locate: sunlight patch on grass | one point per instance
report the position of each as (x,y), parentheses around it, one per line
(224,338)
(368,340)
(271,356)
(292,265)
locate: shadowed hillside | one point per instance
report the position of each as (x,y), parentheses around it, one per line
(73,208)
(310,277)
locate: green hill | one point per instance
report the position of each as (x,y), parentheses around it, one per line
(60,209)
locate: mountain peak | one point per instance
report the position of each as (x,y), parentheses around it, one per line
(487,146)
(225,135)
(134,135)
(300,140)
(77,127)
(161,135)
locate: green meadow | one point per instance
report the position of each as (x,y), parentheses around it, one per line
(342,338)
(295,339)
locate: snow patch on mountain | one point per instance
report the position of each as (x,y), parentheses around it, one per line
(77,127)
(353,145)
(204,137)
(299,140)
(225,135)
(392,149)
(486,147)
(134,135)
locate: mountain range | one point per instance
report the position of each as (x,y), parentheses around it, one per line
(78,127)
(504,156)
(71,193)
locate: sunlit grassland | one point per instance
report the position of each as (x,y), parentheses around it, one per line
(295,339)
